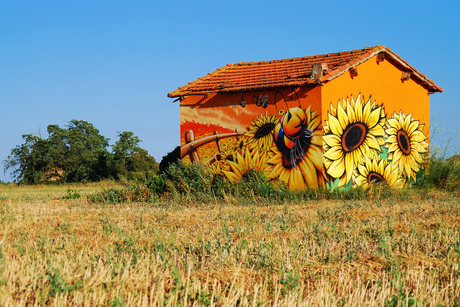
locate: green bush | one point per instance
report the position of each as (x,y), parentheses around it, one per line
(441,173)
(188,184)
(170,158)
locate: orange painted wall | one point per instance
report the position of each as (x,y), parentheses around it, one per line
(387,144)
(226,111)
(280,134)
(383,83)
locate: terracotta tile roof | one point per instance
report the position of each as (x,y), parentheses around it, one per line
(295,72)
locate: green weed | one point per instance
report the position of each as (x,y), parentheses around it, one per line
(73,194)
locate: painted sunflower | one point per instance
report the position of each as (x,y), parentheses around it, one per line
(301,166)
(260,134)
(230,153)
(244,161)
(406,143)
(377,170)
(353,130)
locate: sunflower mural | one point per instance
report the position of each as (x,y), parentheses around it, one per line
(353,130)
(250,152)
(361,147)
(356,144)
(260,134)
(406,144)
(376,170)
(244,161)
(285,146)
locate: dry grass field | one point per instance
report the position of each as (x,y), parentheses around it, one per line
(397,251)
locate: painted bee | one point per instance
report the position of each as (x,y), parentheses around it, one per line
(283,142)
(293,122)
(292,136)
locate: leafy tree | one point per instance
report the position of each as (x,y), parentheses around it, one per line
(126,146)
(130,161)
(82,149)
(29,161)
(72,154)
(76,153)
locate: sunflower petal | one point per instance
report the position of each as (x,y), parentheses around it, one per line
(284,176)
(296,181)
(393,122)
(359,109)
(236,168)
(407,121)
(418,136)
(373,118)
(343,181)
(362,170)
(332,140)
(231,176)
(342,116)
(351,113)
(309,173)
(316,140)
(393,147)
(367,109)
(335,126)
(337,168)
(314,123)
(315,155)
(391,131)
(372,142)
(334,153)
(349,166)
(412,127)
(392,139)
(418,147)
(397,155)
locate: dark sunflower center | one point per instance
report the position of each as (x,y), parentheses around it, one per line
(404,142)
(375,178)
(264,130)
(353,136)
(293,157)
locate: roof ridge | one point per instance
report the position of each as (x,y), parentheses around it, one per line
(307,57)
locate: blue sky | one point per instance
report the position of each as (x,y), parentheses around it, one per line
(112,63)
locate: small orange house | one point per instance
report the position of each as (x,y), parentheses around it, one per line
(333,120)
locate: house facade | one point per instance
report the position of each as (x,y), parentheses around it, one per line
(334,120)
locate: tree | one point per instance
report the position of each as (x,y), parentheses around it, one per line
(130,161)
(30,162)
(86,150)
(73,154)
(77,153)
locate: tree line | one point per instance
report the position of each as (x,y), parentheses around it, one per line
(79,153)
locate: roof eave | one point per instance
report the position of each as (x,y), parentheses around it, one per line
(181,93)
(415,74)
